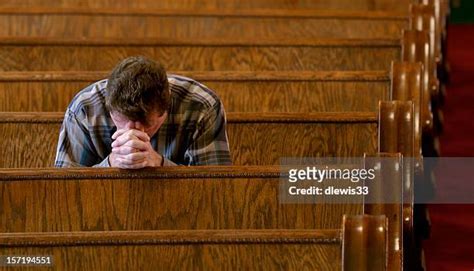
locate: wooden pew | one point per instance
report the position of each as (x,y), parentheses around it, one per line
(360,245)
(177,198)
(382,199)
(22,54)
(423,18)
(420,52)
(30,139)
(395,131)
(244,198)
(198,24)
(388,5)
(265,91)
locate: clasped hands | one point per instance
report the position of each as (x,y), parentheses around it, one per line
(132,149)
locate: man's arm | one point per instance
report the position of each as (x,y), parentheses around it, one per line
(210,145)
(75,148)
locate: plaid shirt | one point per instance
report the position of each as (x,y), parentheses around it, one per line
(193,133)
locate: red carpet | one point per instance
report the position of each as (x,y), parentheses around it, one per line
(451,246)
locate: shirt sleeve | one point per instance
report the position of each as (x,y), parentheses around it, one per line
(75,147)
(210,144)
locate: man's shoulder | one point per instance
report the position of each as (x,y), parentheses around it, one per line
(90,99)
(191,92)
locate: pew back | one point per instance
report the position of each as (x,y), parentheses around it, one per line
(198,24)
(364,236)
(22,54)
(30,139)
(178,198)
(188,250)
(239,91)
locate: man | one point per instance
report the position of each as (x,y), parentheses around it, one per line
(140,117)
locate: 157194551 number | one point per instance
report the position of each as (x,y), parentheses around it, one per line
(21,260)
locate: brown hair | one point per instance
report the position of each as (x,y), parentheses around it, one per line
(137,86)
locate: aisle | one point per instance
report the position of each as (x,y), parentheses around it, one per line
(451,246)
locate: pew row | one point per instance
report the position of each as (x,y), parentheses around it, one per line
(198,24)
(240,91)
(361,244)
(30,139)
(181,198)
(23,54)
(212,198)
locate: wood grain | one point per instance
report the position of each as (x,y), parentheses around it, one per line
(277,249)
(254,139)
(189,25)
(234,198)
(168,237)
(389,5)
(306,54)
(192,257)
(210,12)
(239,91)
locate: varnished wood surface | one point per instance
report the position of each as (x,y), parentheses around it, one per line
(237,96)
(386,192)
(416,48)
(424,20)
(90,76)
(388,5)
(311,135)
(247,42)
(202,25)
(407,85)
(209,172)
(30,140)
(64,201)
(171,237)
(239,91)
(328,117)
(423,17)
(305,54)
(211,12)
(192,257)
(283,252)
(368,236)
(396,130)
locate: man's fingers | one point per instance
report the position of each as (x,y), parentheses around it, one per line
(137,144)
(119,133)
(124,150)
(122,137)
(124,163)
(134,157)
